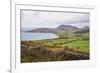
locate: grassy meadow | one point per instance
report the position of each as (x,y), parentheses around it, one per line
(69,46)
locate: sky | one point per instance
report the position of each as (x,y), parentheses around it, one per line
(44,19)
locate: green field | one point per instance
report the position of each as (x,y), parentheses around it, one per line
(73,44)
(52,49)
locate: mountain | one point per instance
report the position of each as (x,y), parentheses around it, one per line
(66,27)
(54,30)
(45,30)
(85,29)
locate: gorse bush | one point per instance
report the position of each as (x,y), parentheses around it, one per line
(40,53)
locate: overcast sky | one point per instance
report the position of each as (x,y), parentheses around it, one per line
(41,19)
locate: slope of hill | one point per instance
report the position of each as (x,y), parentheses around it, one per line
(54,30)
(66,27)
(85,29)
